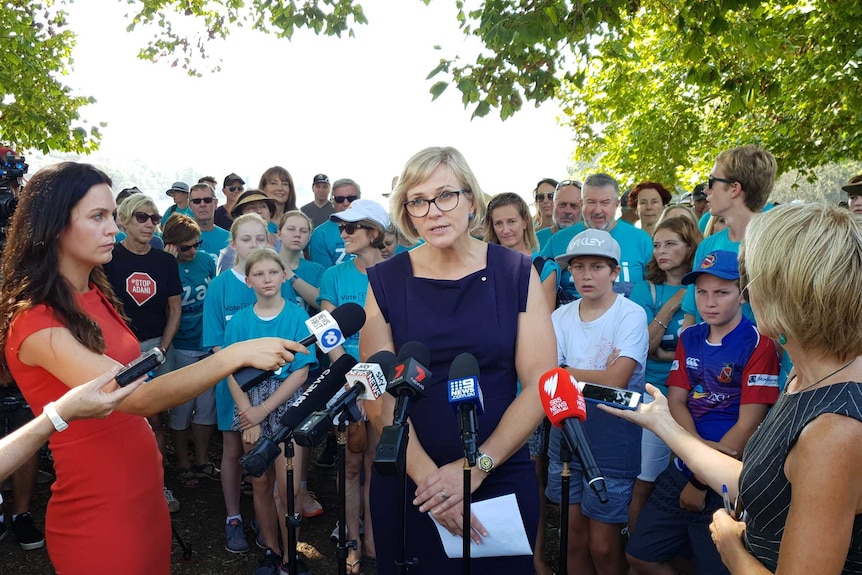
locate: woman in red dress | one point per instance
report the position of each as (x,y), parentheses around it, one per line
(61,326)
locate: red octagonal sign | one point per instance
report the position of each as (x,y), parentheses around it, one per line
(141,287)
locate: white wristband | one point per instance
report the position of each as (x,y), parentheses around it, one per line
(51,411)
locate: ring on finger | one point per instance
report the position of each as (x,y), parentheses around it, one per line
(443,495)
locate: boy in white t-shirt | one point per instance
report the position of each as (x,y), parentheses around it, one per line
(601,338)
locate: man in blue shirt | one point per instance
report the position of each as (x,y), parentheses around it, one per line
(326,246)
(203,202)
(601,193)
(567,210)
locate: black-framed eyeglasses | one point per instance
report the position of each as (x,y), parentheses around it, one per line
(142,217)
(351,227)
(236,188)
(194,246)
(207,201)
(342,199)
(541,197)
(565,183)
(445,202)
(713,179)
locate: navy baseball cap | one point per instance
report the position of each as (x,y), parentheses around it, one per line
(720,263)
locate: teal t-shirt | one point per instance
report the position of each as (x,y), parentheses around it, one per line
(635,252)
(657,371)
(309,272)
(341,284)
(195,277)
(214,241)
(326,246)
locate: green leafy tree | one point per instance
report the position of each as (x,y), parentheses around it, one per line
(37,110)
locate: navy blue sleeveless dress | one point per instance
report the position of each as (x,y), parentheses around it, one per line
(476,314)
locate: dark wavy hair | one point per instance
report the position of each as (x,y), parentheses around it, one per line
(688,231)
(662,191)
(31,270)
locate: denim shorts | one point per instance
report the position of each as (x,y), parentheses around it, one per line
(616,510)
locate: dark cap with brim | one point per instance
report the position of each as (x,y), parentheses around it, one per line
(250,196)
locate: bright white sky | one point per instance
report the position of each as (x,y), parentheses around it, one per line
(351,107)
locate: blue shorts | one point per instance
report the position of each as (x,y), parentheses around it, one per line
(665,530)
(615,511)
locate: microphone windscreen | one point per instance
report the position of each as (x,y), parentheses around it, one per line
(350,318)
(324,387)
(385,359)
(561,398)
(415,350)
(464,365)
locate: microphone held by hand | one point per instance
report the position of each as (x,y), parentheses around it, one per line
(327,329)
(565,407)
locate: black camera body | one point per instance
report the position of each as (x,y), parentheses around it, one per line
(12,169)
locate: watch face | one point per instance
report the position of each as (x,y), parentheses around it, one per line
(485,462)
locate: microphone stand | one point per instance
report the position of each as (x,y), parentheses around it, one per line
(565,480)
(343,544)
(466,530)
(292,520)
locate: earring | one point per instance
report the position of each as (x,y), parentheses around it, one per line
(782,339)
(470,216)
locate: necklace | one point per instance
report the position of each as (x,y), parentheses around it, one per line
(825,377)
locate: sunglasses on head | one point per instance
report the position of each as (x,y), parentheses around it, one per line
(194,246)
(204,200)
(342,199)
(235,188)
(142,217)
(541,197)
(350,228)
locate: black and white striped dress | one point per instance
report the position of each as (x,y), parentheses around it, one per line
(765,490)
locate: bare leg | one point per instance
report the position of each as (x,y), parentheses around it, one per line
(231,472)
(368,548)
(641,492)
(203,435)
(606,548)
(352,498)
(579,559)
(23,481)
(180,437)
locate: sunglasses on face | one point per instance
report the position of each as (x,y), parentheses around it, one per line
(194,246)
(235,188)
(711,181)
(207,201)
(541,197)
(342,199)
(142,217)
(350,228)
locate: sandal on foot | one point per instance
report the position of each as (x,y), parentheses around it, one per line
(207,470)
(187,478)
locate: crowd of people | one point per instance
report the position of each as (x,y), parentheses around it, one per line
(741,340)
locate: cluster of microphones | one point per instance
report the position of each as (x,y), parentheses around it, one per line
(334,393)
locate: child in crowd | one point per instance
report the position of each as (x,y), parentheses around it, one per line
(259,411)
(721,384)
(303,276)
(601,338)
(226,295)
(675,241)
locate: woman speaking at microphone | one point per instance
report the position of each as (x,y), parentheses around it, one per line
(456,294)
(800,478)
(61,326)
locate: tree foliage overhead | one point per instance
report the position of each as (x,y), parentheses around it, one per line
(37,110)
(655,89)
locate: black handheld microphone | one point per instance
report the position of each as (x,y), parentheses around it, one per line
(465,397)
(266,449)
(408,378)
(368,383)
(328,328)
